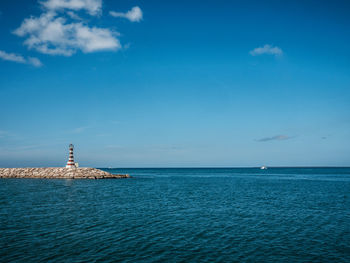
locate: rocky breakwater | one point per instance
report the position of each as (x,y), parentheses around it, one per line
(58,173)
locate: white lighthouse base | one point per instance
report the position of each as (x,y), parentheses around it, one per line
(74,165)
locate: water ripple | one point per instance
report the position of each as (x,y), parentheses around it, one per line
(205,215)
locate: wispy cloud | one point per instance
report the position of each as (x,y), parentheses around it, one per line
(74,16)
(80,129)
(134,15)
(266,49)
(34,61)
(115,122)
(275,138)
(112,146)
(3,134)
(12,57)
(93,7)
(20,59)
(7,134)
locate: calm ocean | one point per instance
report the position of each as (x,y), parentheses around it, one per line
(180,215)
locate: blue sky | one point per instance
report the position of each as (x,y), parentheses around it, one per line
(175,83)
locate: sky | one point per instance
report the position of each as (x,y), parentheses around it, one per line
(174,83)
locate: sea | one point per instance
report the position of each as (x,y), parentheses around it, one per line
(179,215)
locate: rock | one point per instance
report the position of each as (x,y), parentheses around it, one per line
(59,172)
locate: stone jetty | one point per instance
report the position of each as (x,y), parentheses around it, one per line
(59,173)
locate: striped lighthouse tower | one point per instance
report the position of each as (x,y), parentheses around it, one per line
(70,163)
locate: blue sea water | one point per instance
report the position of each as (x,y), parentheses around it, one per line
(180,215)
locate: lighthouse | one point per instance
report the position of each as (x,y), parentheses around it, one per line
(70,163)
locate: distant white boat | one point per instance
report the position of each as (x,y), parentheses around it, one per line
(263,167)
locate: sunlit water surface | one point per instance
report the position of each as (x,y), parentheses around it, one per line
(179,215)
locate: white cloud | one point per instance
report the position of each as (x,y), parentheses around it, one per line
(59,30)
(20,59)
(93,7)
(12,57)
(34,61)
(134,15)
(51,34)
(74,15)
(266,49)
